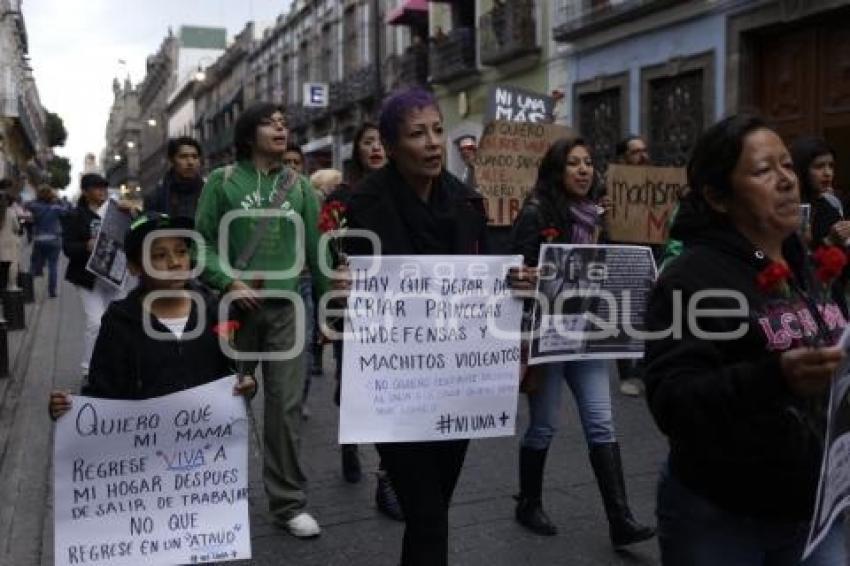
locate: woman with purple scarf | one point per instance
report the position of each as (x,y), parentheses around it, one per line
(561,209)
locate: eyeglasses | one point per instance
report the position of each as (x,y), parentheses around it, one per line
(273,122)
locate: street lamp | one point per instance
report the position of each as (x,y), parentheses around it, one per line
(152,122)
(116,157)
(201,74)
(131,144)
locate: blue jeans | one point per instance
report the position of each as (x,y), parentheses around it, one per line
(693,531)
(589,382)
(46,250)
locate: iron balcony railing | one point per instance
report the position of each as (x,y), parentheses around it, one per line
(507,32)
(576,18)
(453,55)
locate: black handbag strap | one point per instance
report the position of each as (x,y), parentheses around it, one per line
(282,189)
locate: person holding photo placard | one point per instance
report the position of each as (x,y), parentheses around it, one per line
(80,228)
(741,394)
(561,209)
(415,207)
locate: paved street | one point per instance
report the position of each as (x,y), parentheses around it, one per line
(354,534)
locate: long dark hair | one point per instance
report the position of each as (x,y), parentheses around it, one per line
(550,173)
(549,191)
(245,130)
(715,156)
(358,168)
(804,151)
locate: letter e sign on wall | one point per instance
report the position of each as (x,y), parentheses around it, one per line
(315,95)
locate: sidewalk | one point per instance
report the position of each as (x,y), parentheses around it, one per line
(354,533)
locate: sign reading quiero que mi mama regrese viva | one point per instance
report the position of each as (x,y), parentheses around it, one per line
(432,349)
(159,481)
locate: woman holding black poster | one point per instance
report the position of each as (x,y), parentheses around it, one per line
(414,207)
(561,209)
(741,396)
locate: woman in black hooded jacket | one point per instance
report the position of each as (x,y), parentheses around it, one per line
(414,207)
(737,379)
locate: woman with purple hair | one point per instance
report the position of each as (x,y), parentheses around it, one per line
(415,207)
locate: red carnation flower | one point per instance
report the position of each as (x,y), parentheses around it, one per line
(772,277)
(332,216)
(226,328)
(549,234)
(830,261)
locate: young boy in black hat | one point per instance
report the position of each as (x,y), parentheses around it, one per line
(131,363)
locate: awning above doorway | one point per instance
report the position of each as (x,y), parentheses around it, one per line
(409,13)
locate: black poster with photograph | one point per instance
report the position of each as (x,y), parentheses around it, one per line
(592,300)
(107,259)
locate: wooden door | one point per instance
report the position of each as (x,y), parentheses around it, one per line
(802,83)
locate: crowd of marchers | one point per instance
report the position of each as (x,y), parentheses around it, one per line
(745,419)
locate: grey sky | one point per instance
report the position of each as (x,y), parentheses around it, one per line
(75,46)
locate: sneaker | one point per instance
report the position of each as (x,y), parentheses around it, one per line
(632,387)
(386,499)
(303,525)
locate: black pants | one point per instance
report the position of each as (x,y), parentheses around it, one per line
(4,275)
(424,475)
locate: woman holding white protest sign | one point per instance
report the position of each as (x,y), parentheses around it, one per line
(740,393)
(414,207)
(562,209)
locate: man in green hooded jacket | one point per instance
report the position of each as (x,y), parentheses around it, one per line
(228,218)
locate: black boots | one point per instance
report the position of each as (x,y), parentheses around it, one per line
(351,463)
(624,530)
(529,507)
(386,499)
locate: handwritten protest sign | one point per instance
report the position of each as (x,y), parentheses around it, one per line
(592,302)
(515,104)
(107,259)
(506,165)
(833,495)
(432,349)
(644,200)
(161,481)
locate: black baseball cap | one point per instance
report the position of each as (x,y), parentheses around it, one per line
(149,222)
(90,180)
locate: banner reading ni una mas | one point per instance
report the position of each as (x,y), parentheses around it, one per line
(432,349)
(159,481)
(644,200)
(509,155)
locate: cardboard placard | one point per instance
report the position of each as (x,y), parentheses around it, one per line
(644,200)
(506,165)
